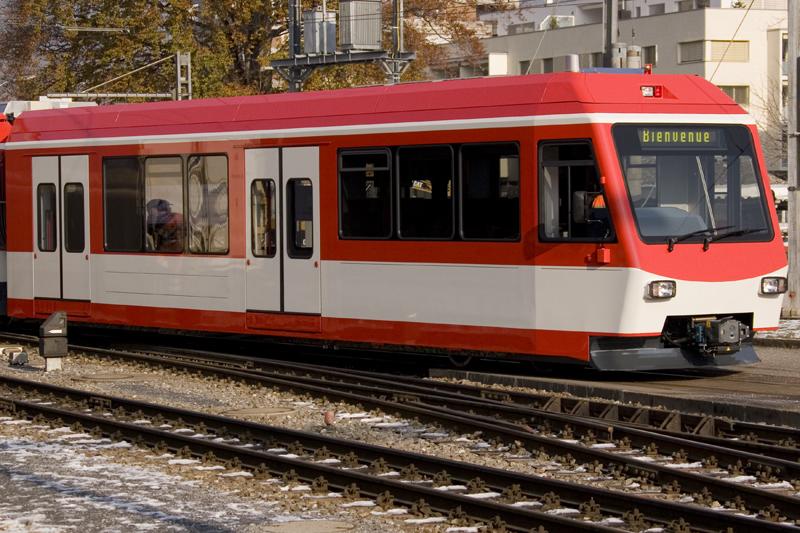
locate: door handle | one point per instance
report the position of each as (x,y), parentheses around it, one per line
(247,262)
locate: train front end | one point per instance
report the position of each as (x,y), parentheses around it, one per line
(696,220)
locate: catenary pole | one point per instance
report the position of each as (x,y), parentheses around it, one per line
(611,30)
(791,302)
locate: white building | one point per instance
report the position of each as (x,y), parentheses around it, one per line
(676,36)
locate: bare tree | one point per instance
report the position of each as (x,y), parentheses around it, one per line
(773,127)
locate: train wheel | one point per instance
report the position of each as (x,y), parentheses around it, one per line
(460,361)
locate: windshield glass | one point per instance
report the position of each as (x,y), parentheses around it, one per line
(693,179)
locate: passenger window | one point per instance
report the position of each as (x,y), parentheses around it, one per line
(365,194)
(74,235)
(46,202)
(426,192)
(208,204)
(572,206)
(163,188)
(122,204)
(490,192)
(300,201)
(262,218)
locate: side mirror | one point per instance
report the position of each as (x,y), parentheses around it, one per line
(581,204)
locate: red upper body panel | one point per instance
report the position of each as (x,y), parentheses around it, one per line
(5,128)
(547,94)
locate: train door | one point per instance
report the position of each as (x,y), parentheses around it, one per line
(61,267)
(301,273)
(282,259)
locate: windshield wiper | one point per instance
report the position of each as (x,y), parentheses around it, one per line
(672,241)
(736,233)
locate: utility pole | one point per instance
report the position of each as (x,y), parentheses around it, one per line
(791,301)
(611,29)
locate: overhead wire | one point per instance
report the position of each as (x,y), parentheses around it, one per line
(730,42)
(541,40)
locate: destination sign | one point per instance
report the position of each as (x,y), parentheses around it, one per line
(686,137)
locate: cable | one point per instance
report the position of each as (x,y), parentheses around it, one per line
(730,42)
(536,53)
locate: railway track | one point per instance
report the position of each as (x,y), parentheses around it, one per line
(426,485)
(553,434)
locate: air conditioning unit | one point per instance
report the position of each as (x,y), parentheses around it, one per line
(319,31)
(360,25)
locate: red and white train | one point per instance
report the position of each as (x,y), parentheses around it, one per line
(614,220)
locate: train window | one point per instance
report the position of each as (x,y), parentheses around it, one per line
(207,191)
(263,220)
(365,195)
(46,217)
(300,227)
(122,200)
(572,205)
(490,191)
(426,194)
(74,234)
(163,190)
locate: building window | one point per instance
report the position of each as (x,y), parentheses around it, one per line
(46,227)
(300,202)
(656,9)
(122,197)
(163,195)
(691,52)
(490,192)
(365,194)
(262,218)
(649,55)
(572,205)
(730,51)
(738,93)
(524,66)
(547,65)
(426,196)
(207,190)
(74,235)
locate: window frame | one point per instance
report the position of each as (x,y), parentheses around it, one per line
(540,197)
(292,250)
(454,178)
(143,178)
(140,204)
(67,217)
(460,195)
(39,218)
(187,220)
(393,226)
(273,206)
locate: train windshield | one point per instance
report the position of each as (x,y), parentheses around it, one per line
(693,183)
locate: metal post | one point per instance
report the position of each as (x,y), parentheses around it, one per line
(294,44)
(611,27)
(791,302)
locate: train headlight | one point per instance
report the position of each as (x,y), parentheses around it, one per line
(661,289)
(773,285)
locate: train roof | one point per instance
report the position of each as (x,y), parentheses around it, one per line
(563,93)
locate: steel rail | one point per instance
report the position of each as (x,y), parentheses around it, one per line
(670,478)
(777,441)
(515,415)
(610,502)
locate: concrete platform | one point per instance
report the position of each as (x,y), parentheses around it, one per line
(767,392)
